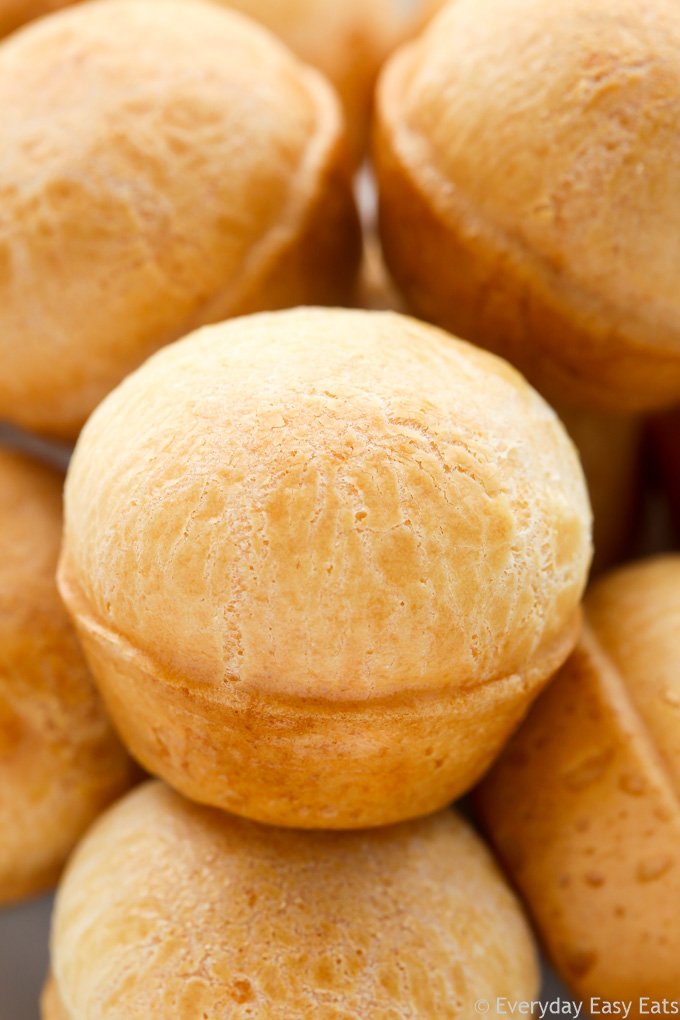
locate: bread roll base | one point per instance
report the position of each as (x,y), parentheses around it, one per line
(348,759)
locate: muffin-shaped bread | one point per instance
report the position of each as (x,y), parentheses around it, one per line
(169,909)
(321,561)
(583,806)
(165,163)
(529,163)
(60,762)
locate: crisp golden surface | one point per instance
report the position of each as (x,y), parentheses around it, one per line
(320,561)
(166,163)
(529,164)
(60,763)
(174,910)
(583,806)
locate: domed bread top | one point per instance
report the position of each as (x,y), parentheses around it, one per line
(339,503)
(172,909)
(530,167)
(347,41)
(583,804)
(60,763)
(333,536)
(166,163)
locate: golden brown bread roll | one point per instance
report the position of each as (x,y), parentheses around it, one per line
(582,806)
(60,763)
(166,163)
(529,166)
(321,561)
(171,909)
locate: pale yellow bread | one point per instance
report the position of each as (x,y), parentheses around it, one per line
(60,763)
(347,40)
(320,561)
(169,909)
(529,164)
(583,805)
(166,163)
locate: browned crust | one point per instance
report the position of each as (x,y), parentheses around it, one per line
(585,818)
(301,762)
(15,13)
(465,275)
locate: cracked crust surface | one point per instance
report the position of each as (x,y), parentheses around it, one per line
(583,806)
(169,909)
(327,518)
(149,189)
(524,202)
(60,762)
(346,41)
(609,445)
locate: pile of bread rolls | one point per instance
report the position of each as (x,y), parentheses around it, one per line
(323,551)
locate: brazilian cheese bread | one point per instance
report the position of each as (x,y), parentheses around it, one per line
(165,163)
(170,909)
(320,562)
(529,165)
